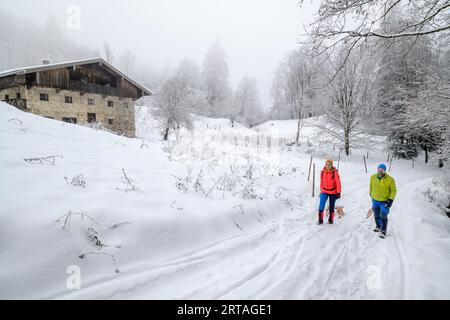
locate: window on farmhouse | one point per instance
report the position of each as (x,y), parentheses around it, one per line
(6,96)
(91,102)
(69,120)
(18,95)
(43,96)
(110,122)
(110,104)
(68,99)
(91,118)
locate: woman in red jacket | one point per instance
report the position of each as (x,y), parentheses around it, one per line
(330,187)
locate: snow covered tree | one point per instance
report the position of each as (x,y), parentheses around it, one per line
(189,74)
(281,110)
(350,93)
(332,28)
(175,105)
(294,84)
(215,74)
(127,60)
(249,108)
(108,53)
(405,69)
(428,114)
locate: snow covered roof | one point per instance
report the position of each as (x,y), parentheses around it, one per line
(52,66)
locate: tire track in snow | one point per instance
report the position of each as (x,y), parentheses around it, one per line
(405,280)
(404,287)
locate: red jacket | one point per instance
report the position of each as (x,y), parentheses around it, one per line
(330,182)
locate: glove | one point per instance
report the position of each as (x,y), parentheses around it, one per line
(389,203)
(338,196)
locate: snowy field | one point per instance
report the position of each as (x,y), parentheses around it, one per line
(221,213)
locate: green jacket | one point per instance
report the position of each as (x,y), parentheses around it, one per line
(382,189)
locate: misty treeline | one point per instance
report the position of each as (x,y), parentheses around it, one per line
(205,90)
(24,43)
(389,76)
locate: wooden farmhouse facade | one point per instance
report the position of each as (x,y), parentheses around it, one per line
(83,91)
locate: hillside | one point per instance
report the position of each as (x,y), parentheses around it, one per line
(206,216)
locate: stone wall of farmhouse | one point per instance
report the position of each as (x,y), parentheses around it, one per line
(12,92)
(118,118)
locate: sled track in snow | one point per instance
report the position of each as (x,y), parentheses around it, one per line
(404,288)
(404,265)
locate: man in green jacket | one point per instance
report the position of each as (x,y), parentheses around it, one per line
(382,192)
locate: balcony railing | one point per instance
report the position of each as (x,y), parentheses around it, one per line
(18,103)
(93,88)
(85,87)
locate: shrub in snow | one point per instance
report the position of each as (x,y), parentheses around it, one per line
(129,183)
(94,236)
(439,194)
(198,184)
(182,184)
(77,181)
(98,126)
(248,192)
(84,216)
(94,233)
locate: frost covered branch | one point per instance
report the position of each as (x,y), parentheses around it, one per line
(50,160)
(129,183)
(77,181)
(113,258)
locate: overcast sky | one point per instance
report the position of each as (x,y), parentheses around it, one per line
(255,33)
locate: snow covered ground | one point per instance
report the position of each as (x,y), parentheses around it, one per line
(215,215)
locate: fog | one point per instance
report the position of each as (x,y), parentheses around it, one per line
(255,33)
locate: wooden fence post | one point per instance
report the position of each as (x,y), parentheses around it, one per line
(309,171)
(314,179)
(365,163)
(339,159)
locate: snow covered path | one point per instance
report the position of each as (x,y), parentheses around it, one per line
(291,258)
(172,245)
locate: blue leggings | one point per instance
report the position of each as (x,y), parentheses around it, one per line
(323,201)
(381,213)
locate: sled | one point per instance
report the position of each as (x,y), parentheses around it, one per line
(339,211)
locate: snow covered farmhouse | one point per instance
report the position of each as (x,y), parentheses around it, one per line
(83,91)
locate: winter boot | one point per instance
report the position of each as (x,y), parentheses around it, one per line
(320,217)
(376,229)
(331,218)
(383,235)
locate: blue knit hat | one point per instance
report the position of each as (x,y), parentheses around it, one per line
(382,166)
